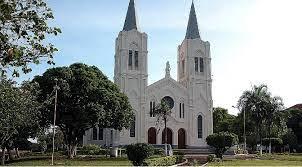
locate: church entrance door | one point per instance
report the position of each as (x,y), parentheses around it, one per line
(152,136)
(169,134)
(181,138)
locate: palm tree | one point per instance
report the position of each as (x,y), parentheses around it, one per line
(254,102)
(162,112)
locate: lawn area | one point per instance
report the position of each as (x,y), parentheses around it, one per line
(76,162)
(265,160)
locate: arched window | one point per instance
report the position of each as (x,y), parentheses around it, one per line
(130,59)
(152,108)
(181,110)
(101,133)
(94,133)
(199,126)
(132,128)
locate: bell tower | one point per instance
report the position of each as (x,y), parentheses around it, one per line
(194,73)
(130,72)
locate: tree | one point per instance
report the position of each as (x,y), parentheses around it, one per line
(254,102)
(221,141)
(137,153)
(19,111)
(290,140)
(86,98)
(222,121)
(23,31)
(294,122)
(162,112)
(263,110)
(45,139)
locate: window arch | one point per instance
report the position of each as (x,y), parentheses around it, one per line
(132,128)
(94,133)
(181,110)
(199,126)
(152,108)
(101,133)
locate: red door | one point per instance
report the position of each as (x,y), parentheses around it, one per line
(152,136)
(181,138)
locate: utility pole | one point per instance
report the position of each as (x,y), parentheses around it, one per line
(54,122)
(244,136)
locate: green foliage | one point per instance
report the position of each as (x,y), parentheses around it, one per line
(211,157)
(23,32)
(274,141)
(222,121)
(90,149)
(162,112)
(19,112)
(290,139)
(221,141)
(263,113)
(137,153)
(295,123)
(159,151)
(45,139)
(162,161)
(86,99)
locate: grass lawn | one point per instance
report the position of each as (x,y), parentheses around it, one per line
(76,162)
(265,160)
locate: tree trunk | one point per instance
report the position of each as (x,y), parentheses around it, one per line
(71,151)
(166,137)
(10,155)
(17,152)
(3,157)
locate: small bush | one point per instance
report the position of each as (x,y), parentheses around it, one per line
(137,153)
(162,161)
(179,156)
(221,141)
(90,150)
(159,151)
(274,141)
(211,157)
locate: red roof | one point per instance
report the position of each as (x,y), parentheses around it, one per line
(297,106)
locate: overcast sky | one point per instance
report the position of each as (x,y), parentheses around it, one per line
(252,41)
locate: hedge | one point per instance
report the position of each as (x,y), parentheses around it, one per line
(162,161)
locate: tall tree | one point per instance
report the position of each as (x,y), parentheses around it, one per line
(86,98)
(19,111)
(254,102)
(162,112)
(222,120)
(295,122)
(23,32)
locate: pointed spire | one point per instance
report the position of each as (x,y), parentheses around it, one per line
(192,29)
(131,18)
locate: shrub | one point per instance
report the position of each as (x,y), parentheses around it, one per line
(162,161)
(274,141)
(159,151)
(221,141)
(137,153)
(211,157)
(90,150)
(179,156)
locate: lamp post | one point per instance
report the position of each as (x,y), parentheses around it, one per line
(54,121)
(244,136)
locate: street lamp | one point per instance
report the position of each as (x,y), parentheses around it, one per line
(244,136)
(54,121)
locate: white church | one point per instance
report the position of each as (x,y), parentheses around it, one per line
(189,97)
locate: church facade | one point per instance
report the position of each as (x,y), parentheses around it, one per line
(189,97)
